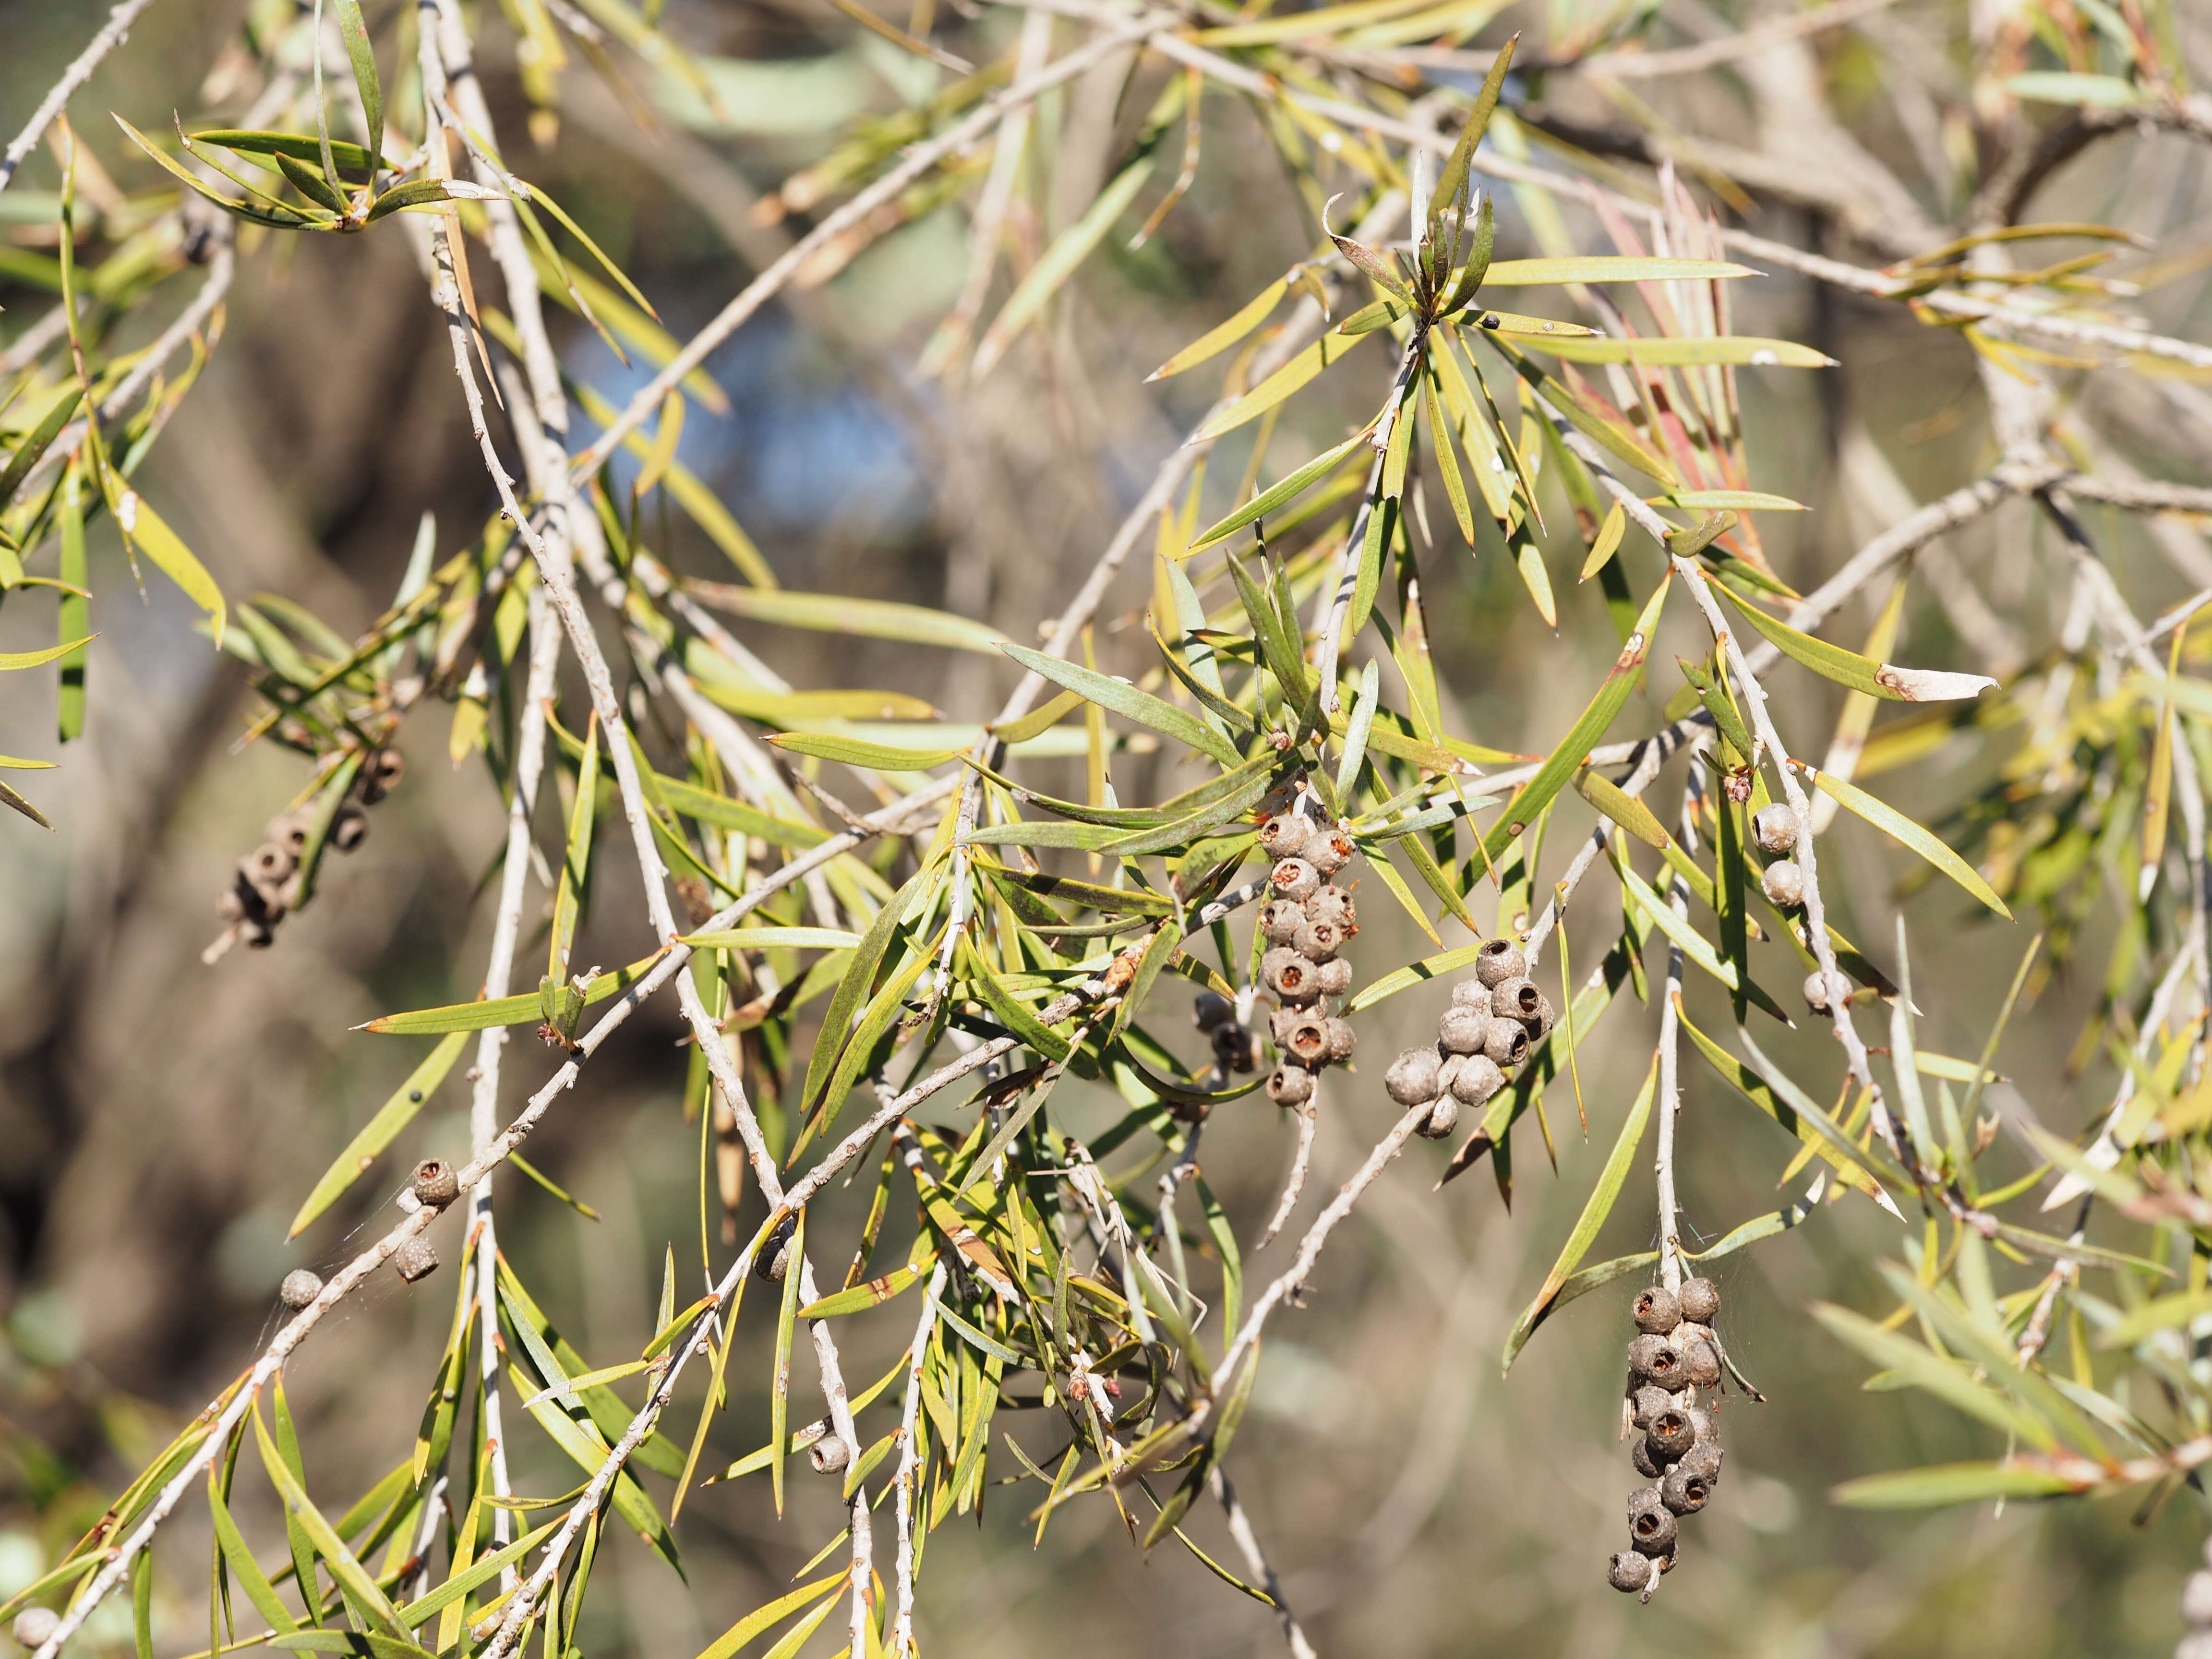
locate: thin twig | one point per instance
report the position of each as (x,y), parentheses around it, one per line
(112,35)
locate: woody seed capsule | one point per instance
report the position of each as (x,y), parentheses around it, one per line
(1700,1364)
(1341,1038)
(1290,1085)
(1540,1023)
(1499,960)
(1823,993)
(1654,1530)
(34,1626)
(1648,1401)
(1656,1310)
(1463,1031)
(436,1183)
(1471,993)
(1671,1433)
(1442,1119)
(349,827)
(1477,1079)
(1515,999)
(1650,1359)
(299,1289)
(1285,835)
(1330,851)
(1784,883)
(1684,1492)
(1316,941)
(415,1259)
(1506,1042)
(1776,830)
(1629,1571)
(1294,879)
(380,774)
(1703,1460)
(1701,1300)
(829,1455)
(1646,1465)
(1290,976)
(290,832)
(1280,919)
(1334,977)
(1413,1078)
(1334,905)
(1304,1038)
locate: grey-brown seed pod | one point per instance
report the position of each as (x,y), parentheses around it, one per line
(1651,1359)
(1290,1086)
(1774,828)
(1499,960)
(300,1288)
(829,1455)
(1671,1433)
(1464,1030)
(1290,976)
(1648,1401)
(1334,905)
(1285,835)
(1506,1042)
(1825,993)
(1784,883)
(1701,1300)
(1684,1493)
(1540,1023)
(380,773)
(775,1258)
(1280,919)
(1700,1364)
(1477,1080)
(1471,993)
(230,904)
(1629,1571)
(1515,999)
(1657,1310)
(1342,1039)
(435,1182)
(1654,1531)
(1442,1119)
(1643,1500)
(1211,1010)
(349,827)
(1294,879)
(1701,1424)
(1703,1459)
(415,1259)
(1414,1078)
(1304,1038)
(1646,1465)
(268,866)
(1317,941)
(1330,851)
(1335,977)
(35,1626)
(290,831)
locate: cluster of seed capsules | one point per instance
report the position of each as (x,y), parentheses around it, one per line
(1778,830)
(1484,1034)
(267,885)
(1674,1355)
(1306,924)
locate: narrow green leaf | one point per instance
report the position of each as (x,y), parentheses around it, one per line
(1845,667)
(1218,338)
(360,1587)
(840,613)
(1605,267)
(1943,1484)
(1275,494)
(1126,701)
(1894,824)
(760,1618)
(1324,353)
(380,1130)
(1949,1380)
(855,752)
(1058,263)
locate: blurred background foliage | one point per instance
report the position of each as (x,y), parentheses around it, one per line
(159,1119)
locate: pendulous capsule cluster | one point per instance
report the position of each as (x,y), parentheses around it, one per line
(1494,1019)
(1307,924)
(267,884)
(1675,1354)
